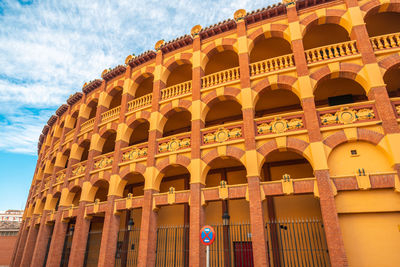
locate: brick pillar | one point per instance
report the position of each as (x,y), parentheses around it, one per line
(197,220)
(148,233)
(260,250)
(29,244)
(57,241)
(80,237)
(109,236)
(327,202)
(378,90)
(21,245)
(333,233)
(39,252)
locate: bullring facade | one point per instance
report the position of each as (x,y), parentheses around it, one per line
(278,127)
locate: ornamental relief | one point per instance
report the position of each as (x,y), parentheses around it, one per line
(174,144)
(222,135)
(347,116)
(135,154)
(60,178)
(78,170)
(398,110)
(279,125)
(102,163)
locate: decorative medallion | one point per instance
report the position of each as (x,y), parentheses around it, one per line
(128,58)
(104,162)
(158,45)
(279,125)
(346,116)
(174,144)
(222,135)
(239,14)
(134,154)
(195,30)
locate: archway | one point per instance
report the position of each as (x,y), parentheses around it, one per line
(276,101)
(223,111)
(220,61)
(324,34)
(265,48)
(178,121)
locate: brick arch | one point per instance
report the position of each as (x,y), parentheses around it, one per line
(215,96)
(273,30)
(169,109)
(163,164)
(292,144)
(332,16)
(338,138)
(174,62)
(282,82)
(391,61)
(138,118)
(138,77)
(214,48)
(103,131)
(231,151)
(137,168)
(342,70)
(106,175)
(376,6)
(115,87)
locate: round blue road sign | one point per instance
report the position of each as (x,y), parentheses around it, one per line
(207,235)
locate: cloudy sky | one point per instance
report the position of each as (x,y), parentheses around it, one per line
(49,49)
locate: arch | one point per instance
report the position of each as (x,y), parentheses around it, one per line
(222,109)
(328,16)
(175,120)
(173,63)
(275,102)
(165,165)
(134,179)
(227,44)
(100,190)
(282,82)
(342,70)
(382,23)
(107,141)
(273,30)
(292,144)
(137,89)
(391,78)
(374,7)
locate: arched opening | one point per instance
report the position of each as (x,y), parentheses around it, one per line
(74,119)
(101,191)
(338,91)
(109,143)
(177,122)
(276,101)
(224,111)
(221,61)
(173,220)
(382,23)
(180,74)
(324,34)
(76,191)
(93,109)
(85,150)
(265,48)
(116,95)
(129,233)
(392,81)
(145,87)
(59,130)
(296,216)
(229,217)
(66,157)
(360,210)
(56,201)
(140,133)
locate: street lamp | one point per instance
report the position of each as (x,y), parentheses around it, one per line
(225,218)
(130,224)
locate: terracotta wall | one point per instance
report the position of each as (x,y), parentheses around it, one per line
(7,244)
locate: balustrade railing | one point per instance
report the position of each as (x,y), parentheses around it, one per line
(176,90)
(385,41)
(396,106)
(280,124)
(272,64)
(134,152)
(140,102)
(87,124)
(110,114)
(173,143)
(348,114)
(220,77)
(222,133)
(331,51)
(103,161)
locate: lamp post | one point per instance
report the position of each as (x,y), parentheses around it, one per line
(130,224)
(227,245)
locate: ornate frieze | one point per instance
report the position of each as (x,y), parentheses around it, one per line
(347,115)
(134,153)
(174,144)
(103,162)
(280,125)
(222,134)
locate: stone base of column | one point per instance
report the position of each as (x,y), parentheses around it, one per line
(330,218)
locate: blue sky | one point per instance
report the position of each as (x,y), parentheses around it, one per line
(49,49)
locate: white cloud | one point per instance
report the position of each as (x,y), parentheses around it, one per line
(48,49)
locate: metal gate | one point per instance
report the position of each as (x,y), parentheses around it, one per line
(92,249)
(48,245)
(172,246)
(297,242)
(127,248)
(67,246)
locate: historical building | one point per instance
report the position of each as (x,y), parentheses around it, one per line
(278,127)
(8,236)
(11,215)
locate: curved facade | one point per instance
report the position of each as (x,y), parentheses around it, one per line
(278,127)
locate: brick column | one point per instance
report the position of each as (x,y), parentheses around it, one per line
(378,90)
(197,216)
(109,236)
(57,241)
(148,230)
(29,244)
(21,245)
(260,250)
(327,202)
(80,237)
(39,252)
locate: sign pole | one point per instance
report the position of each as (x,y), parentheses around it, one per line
(208,256)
